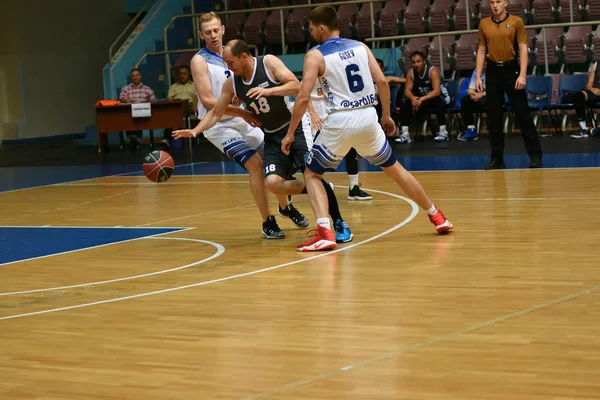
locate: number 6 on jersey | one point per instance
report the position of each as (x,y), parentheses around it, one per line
(355,81)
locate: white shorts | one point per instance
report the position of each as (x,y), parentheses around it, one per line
(343,130)
(238,140)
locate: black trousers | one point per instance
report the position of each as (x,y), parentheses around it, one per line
(579,100)
(430,106)
(500,80)
(470,107)
(352,162)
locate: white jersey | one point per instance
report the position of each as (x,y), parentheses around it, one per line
(347,82)
(319,100)
(218,74)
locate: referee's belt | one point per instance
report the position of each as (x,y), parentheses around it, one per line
(502,63)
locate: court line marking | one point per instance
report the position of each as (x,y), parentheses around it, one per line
(413,214)
(86,248)
(220,250)
(422,344)
(169,183)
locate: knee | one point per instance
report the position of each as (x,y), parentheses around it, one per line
(273,183)
(310,175)
(254,165)
(580,97)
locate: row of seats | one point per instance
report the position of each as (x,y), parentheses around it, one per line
(393,17)
(577,45)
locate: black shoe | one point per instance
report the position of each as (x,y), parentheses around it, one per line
(271,230)
(495,163)
(356,193)
(296,216)
(536,162)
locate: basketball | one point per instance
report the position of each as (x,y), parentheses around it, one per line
(158,166)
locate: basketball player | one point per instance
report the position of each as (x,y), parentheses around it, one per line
(265,84)
(346,70)
(234,136)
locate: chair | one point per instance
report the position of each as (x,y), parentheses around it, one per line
(567,84)
(539,92)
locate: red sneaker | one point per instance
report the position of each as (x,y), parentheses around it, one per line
(323,239)
(442,225)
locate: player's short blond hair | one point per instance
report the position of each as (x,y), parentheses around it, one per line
(207,17)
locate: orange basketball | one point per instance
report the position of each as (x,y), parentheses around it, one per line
(158,166)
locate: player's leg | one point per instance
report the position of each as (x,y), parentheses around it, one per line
(354,190)
(256,138)
(278,170)
(235,146)
(326,153)
(374,147)
(303,141)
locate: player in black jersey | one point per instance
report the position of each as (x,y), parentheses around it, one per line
(265,85)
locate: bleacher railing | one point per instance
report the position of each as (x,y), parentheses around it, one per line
(439,35)
(372,39)
(128,29)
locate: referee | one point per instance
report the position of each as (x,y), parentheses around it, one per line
(499,37)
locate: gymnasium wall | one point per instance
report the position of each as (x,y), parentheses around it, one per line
(51,58)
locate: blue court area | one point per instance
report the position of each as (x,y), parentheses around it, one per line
(23,243)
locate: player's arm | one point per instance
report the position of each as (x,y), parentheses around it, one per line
(213,116)
(278,71)
(203,86)
(436,83)
(312,61)
(408,88)
(480,60)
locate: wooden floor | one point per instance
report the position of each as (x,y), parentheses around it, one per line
(505,307)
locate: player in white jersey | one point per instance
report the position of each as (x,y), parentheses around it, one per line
(317,109)
(234,136)
(346,70)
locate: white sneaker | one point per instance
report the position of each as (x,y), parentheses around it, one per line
(441,137)
(404,138)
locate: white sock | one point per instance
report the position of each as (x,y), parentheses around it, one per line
(432,210)
(443,130)
(582,125)
(353,180)
(324,222)
(471,127)
(405,131)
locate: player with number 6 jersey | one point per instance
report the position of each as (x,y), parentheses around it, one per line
(238,138)
(346,70)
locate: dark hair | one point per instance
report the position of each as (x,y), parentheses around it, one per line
(238,47)
(418,53)
(133,70)
(184,66)
(379,61)
(324,15)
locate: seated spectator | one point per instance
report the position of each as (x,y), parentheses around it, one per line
(136,92)
(425,94)
(183,89)
(392,80)
(589,96)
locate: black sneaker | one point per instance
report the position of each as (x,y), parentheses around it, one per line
(356,193)
(271,230)
(495,163)
(536,162)
(296,216)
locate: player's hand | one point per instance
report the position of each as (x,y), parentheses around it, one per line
(286,143)
(251,119)
(257,92)
(316,121)
(479,85)
(388,125)
(520,83)
(189,133)
(236,101)
(596,91)
(416,102)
